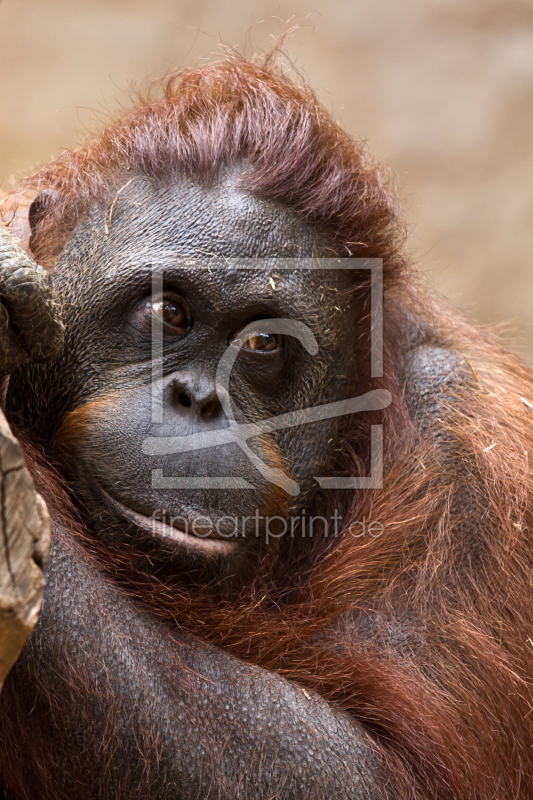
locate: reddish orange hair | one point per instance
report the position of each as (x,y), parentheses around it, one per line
(199,121)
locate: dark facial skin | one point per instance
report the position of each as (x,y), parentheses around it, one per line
(99,421)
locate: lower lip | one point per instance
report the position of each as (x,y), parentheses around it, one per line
(163,531)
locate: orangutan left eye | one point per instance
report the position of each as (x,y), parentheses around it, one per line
(259,343)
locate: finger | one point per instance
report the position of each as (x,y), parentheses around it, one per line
(11,353)
(26,292)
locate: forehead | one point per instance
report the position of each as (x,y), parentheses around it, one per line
(192,219)
(144,226)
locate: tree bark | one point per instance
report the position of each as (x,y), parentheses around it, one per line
(24,542)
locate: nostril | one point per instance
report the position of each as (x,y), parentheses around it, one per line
(184,399)
(194,394)
(209,409)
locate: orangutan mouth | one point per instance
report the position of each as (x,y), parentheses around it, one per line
(197,540)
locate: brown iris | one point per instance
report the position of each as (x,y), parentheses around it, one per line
(173,313)
(261,343)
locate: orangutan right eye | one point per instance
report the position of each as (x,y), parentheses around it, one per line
(172,310)
(172,313)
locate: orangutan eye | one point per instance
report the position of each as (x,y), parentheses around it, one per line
(259,343)
(174,313)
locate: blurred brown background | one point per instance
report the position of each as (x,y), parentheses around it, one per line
(441,89)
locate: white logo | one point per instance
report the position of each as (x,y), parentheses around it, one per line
(240,433)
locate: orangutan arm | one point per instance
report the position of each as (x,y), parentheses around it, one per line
(111,705)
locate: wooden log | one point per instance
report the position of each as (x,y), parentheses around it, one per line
(24,542)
